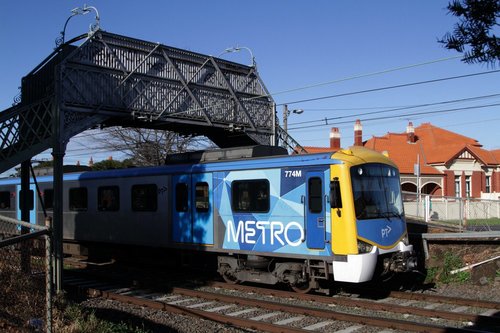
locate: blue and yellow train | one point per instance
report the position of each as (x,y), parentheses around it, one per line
(301,219)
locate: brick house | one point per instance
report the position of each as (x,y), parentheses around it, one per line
(450,164)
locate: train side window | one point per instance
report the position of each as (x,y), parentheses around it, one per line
(250,196)
(108,198)
(315,195)
(181,197)
(144,198)
(48,198)
(31,196)
(4,199)
(78,199)
(201,200)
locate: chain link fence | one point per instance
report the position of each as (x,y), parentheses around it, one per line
(466,214)
(25,277)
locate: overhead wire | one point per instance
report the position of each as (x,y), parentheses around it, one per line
(404,85)
(403,115)
(357,115)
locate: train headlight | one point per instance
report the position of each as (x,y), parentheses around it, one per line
(405,240)
(364,247)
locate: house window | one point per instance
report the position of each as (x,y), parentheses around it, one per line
(467,186)
(457,186)
(487,187)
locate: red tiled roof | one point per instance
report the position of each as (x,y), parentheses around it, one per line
(433,145)
(403,153)
(437,136)
(496,155)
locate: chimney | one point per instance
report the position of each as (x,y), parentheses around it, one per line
(410,133)
(358,133)
(334,138)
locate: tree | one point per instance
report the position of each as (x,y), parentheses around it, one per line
(112,164)
(474,34)
(149,147)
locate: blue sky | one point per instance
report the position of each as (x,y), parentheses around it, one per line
(296,44)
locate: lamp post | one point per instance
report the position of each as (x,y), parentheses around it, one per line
(239,48)
(79,11)
(286,113)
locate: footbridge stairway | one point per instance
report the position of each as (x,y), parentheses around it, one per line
(114,80)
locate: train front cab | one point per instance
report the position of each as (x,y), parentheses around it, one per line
(370,235)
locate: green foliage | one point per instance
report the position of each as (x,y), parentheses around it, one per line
(431,274)
(474,34)
(443,274)
(79,320)
(112,164)
(44,164)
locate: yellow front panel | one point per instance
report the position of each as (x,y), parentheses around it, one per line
(343,220)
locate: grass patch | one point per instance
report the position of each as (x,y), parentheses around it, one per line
(442,274)
(479,222)
(72,318)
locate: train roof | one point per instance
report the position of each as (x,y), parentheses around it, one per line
(213,166)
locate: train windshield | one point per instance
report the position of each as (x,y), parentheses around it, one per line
(376,191)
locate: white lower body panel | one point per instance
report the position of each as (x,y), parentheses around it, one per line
(360,267)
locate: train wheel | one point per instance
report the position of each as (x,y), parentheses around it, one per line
(230,279)
(302,288)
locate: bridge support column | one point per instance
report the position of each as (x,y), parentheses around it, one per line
(58,154)
(24,201)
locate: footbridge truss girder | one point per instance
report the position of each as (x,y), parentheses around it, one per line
(117,80)
(145,84)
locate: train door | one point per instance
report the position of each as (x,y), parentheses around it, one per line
(315,211)
(202,209)
(193,209)
(182,231)
(32,203)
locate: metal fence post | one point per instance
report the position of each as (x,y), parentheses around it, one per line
(48,276)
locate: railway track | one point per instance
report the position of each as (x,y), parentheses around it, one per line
(281,311)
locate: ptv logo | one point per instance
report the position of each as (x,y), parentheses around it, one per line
(385,231)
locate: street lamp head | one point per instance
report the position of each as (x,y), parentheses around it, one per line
(79,11)
(297,111)
(239,48)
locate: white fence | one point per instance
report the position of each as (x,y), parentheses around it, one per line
(467,213)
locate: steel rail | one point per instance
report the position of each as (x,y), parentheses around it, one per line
(369,320)
(226,320)
(446,299)
(354,318)
(365,304)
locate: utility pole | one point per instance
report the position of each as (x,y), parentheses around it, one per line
(417,173)
(285,124)
(286,113)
